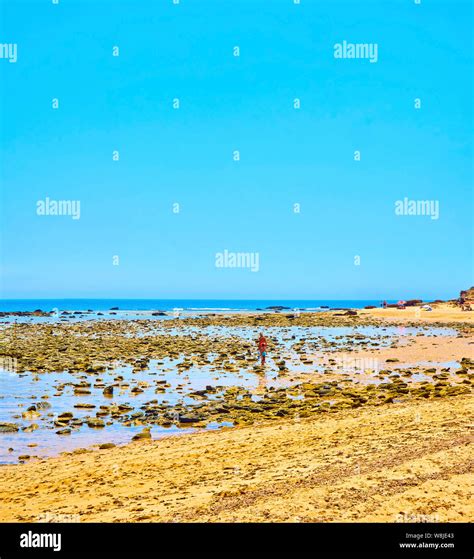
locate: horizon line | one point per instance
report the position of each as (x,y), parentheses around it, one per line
(188,299)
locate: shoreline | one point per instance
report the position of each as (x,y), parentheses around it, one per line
(444,312)
(221,306)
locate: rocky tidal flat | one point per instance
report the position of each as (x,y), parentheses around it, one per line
(107,382)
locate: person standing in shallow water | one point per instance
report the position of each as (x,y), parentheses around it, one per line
(262,348)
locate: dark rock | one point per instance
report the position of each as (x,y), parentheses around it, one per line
(84,406)
(43,405)
(95,423)
(413,302)
(189,419)
(145,434)
(106,446)
(9,428)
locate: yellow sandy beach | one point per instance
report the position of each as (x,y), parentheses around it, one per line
(408,462)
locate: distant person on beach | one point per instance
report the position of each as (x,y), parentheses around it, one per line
(262,348)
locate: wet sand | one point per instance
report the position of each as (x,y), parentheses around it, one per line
(422,349)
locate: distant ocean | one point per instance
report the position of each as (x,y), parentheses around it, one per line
(186,305)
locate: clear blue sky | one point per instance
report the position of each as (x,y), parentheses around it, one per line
(287,156)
